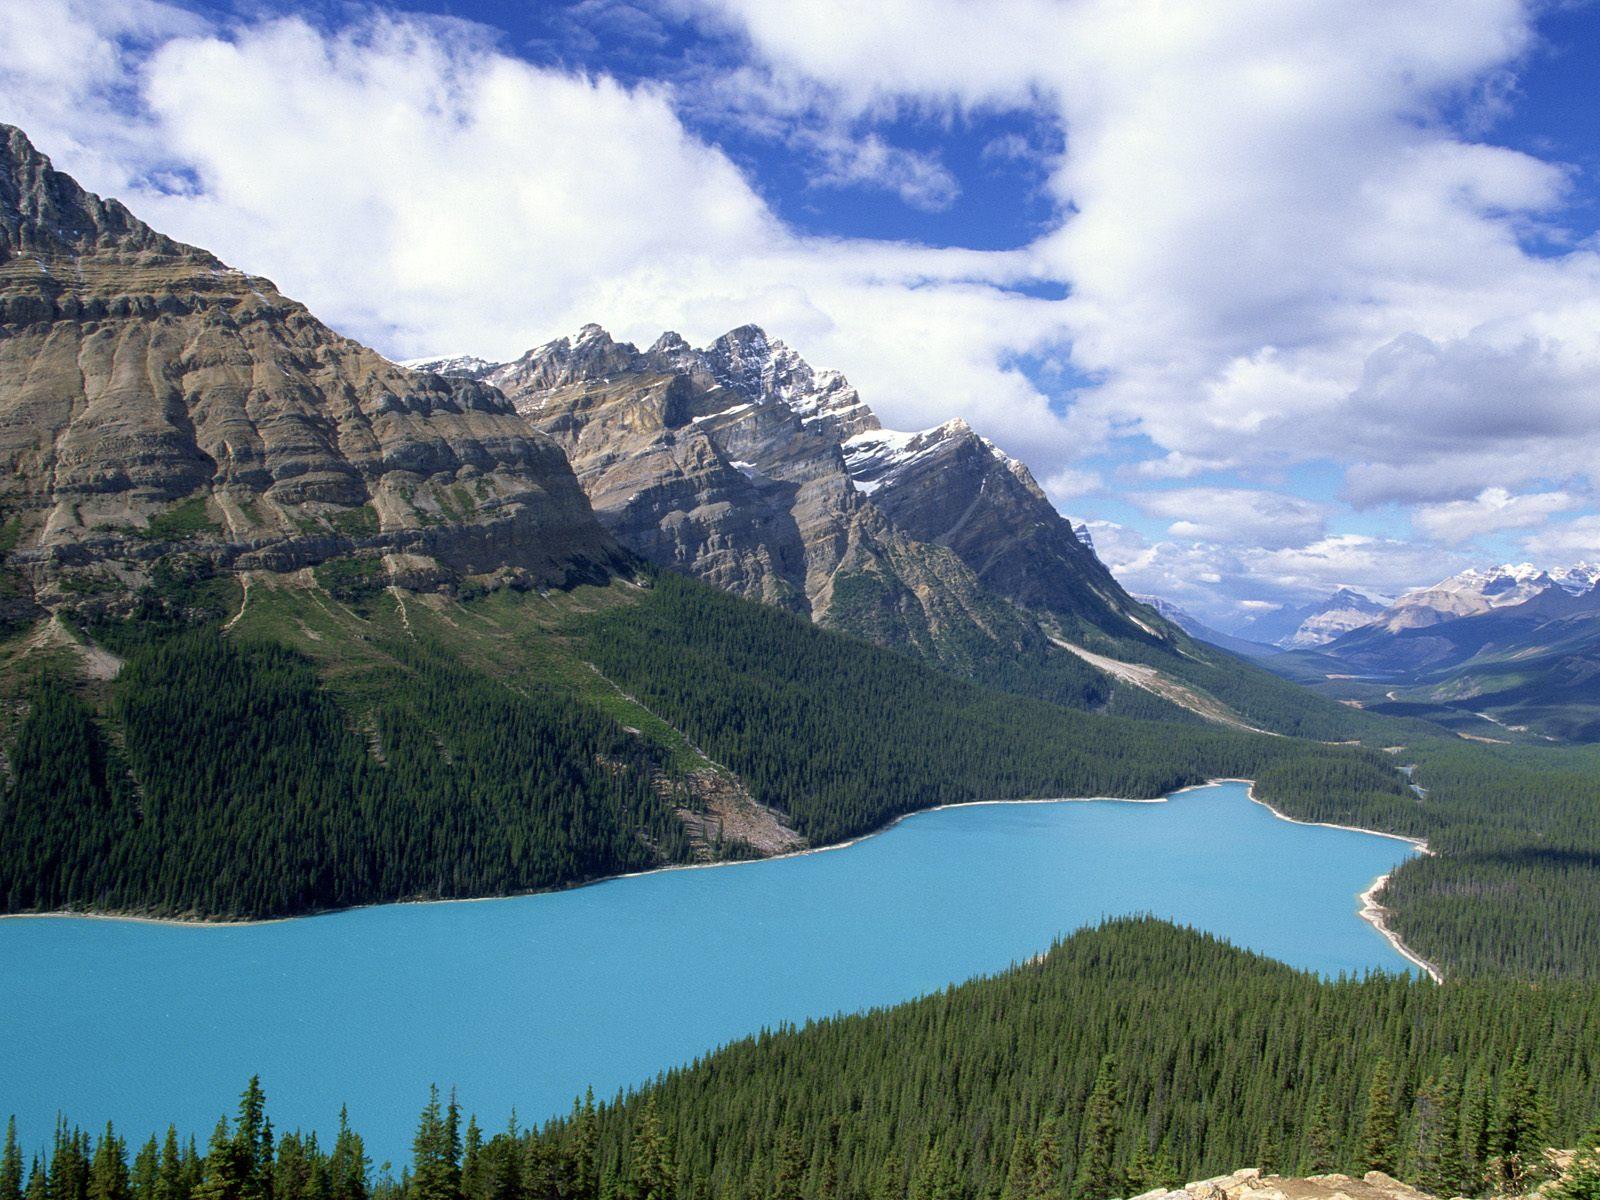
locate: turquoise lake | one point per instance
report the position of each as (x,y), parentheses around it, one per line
(521,1003)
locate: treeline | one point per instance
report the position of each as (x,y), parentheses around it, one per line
(227,781)
(1133,1056)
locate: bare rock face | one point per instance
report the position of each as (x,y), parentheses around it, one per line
(726,462)
(1251,1184)
(150,395)
(740,464)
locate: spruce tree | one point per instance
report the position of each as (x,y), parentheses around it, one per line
(142,1180)
(171,1183)
(1436,1135)
(653,1176)
(11,1164)
(1019,1169)
(347,1165)
(1476,1118)
(108,1172)
(1517,1138)
(435,1173)
(1046,1164)
(1097,1177)
(1380,1129)
(252,1137)
(585,1146)
(788,1168)
(223,1172)
(890,1182)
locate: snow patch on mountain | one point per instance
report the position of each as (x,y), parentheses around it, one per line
(457,366)
(1473,591)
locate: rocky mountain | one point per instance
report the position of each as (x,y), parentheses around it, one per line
(1471,592)
(1341,612)
(153,398)
(1296,627)
(1576,578)
(455,366)
(742,465)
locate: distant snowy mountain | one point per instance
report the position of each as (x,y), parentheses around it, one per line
(1300,627)
(1474,591)
(454,366)
(1341,612)
(1578,578)
(1197,628)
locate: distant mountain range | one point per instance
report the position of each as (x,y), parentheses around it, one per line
(1312,624)
(1513,645)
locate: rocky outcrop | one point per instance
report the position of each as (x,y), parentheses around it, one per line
(1253,1184)
(151,398)
(739,463)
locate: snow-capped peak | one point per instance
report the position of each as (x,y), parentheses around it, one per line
(1475,590)
(467,366)
(1578,578)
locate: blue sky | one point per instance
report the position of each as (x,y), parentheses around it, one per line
(1279,297)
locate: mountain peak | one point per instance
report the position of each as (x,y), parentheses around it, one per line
(45,211)
(750,335)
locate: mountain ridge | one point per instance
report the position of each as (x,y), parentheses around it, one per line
(151,397)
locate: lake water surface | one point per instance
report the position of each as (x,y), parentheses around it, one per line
(522,1002)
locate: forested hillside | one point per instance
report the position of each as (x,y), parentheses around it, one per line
(339,746)
(1033,1085)
(346,744)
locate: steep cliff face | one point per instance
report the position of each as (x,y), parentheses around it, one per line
(150,395)
(726,463)
(740,464)
(950,486)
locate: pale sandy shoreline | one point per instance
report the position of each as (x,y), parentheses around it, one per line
(1370,911)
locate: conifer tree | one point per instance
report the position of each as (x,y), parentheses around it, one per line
(146,1171)
(1475,1121)
(890,1183)
(223,1173)
(108,1172)
(472,1162)
(787,1165)
(1380,1132)
(252,1137)
(585,1144)
(11,1164)
(1436,1135)
(347,1166)
(1517,1138)
(435,1172)
(1097,1176)
(171,1181)
(653,1174)
(1046,1164)
(1019,1169)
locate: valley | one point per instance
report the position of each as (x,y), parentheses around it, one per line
(298,643)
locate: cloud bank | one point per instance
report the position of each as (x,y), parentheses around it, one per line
(1283,238)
